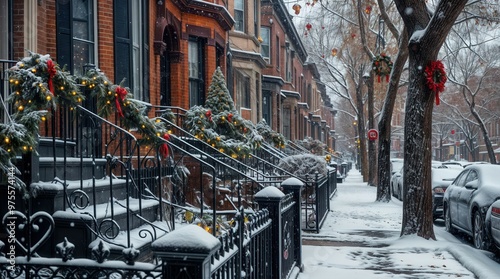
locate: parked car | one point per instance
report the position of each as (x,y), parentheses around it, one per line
(457,164)
(396,165)
(493,224)
(441,179)
(468,198)
(397,184)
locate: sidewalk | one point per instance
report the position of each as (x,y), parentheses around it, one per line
(361,239)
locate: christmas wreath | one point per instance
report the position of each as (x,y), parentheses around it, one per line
(382,66)
(435,77)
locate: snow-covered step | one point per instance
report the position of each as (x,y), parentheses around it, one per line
(75,168)
(98,191)
(76,225)
(47,146)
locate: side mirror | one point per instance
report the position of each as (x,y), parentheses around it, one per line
(472,184)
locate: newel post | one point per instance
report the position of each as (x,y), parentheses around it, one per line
(186,252)
(293,185)
(270,197)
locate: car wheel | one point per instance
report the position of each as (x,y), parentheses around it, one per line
(479,232)
(447,222)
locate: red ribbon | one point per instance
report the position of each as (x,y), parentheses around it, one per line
(121,94)
(164,147)
(51,69)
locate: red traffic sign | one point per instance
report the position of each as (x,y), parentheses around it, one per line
(372,134)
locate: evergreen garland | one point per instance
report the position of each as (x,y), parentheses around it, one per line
(269,135)
(219,124)
(38,84)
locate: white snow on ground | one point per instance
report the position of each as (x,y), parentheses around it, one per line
(361,239)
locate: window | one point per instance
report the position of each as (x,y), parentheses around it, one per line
(266,107)
(239,15)
(309,95)
(278,53)
(288,68)
(137,48)
(131,46)
(243,89)
(265,45)
(196,70)
(5,30)
(286,123)
(256,16)
(75,34)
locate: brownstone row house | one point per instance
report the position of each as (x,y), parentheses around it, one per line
(167,51)
(95,180)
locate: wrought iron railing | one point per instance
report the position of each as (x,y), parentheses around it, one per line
(261,168)
(316,200)
(4,86)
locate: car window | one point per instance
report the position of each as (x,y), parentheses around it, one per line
(471,176)
(460,180)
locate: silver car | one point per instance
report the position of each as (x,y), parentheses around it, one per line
(468,198)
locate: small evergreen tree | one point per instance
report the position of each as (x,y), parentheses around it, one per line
(219,124)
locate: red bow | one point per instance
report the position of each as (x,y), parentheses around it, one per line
(51,69)
(121,94)
(230,117)
(164,147)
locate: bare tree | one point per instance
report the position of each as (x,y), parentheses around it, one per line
(473,67)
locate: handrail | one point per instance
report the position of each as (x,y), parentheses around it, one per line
(106,121)
(227,156)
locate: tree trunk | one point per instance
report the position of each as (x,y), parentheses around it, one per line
(384,144)
(361,128)
(427,36)
(372,151)
(417,195)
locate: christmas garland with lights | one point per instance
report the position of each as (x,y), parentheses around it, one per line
(39,85)
(382,66)
(435,77)
(269,135)
(219,124)
(112,98)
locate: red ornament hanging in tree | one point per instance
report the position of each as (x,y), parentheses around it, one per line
(368,9)
(435,76)
(308,26)
(334,52)
(208,114)
(296,8)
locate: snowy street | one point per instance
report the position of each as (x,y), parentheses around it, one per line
(360,239)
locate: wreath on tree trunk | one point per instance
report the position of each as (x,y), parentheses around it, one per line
(382,66)
(435,76)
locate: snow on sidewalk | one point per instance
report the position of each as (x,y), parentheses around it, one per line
(361,239)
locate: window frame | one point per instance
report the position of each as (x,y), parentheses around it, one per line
(131,25)
(243,89)
(266,42)
(239,11)
(67,35)
(196,97)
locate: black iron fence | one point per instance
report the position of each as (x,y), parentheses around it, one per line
(257,244)
(316,200)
